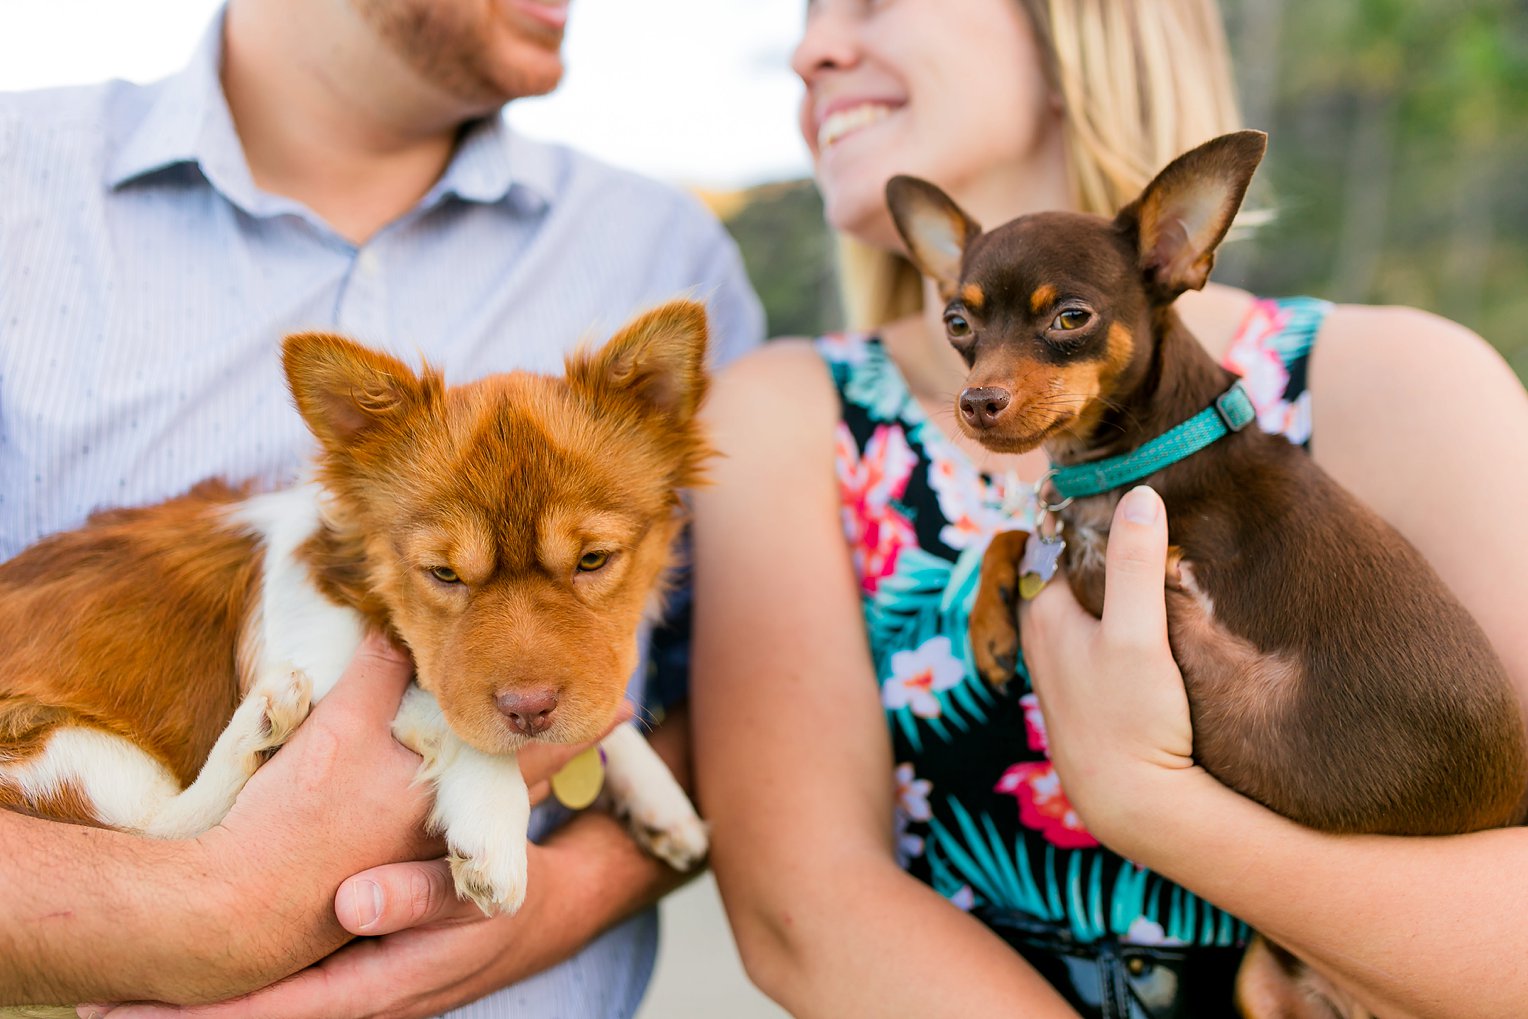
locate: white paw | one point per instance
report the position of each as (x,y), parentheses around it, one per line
(668,827)
(285,702)
(492,878)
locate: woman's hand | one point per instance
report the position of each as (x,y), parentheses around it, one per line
(1115,710)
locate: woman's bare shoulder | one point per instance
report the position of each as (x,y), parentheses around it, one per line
(776,402)
(1395,362)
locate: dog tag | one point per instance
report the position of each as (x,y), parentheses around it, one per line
(580,780)
(1039,564)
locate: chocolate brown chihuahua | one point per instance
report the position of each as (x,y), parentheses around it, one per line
(1331,675)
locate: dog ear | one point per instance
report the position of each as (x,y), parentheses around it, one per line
(1187,209)
(935,229)
(343,389)
(659,358)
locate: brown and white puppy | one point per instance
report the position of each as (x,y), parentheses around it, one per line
(1330,673)
(512,533)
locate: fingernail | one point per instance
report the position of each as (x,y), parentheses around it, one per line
(365,903)
(1141,505)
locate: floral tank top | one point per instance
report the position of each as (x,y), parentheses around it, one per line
(980,813)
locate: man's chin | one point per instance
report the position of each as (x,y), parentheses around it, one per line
(536,74)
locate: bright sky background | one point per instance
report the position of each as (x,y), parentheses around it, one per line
(694,91)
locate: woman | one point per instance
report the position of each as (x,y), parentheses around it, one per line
(811,738)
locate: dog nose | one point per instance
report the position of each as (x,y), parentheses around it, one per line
(981,407)
(530,712)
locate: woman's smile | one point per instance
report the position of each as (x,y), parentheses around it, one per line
(841,118)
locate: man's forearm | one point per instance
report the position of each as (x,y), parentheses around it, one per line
(604,876)
(89,914)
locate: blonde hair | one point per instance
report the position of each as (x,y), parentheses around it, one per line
(1139,82)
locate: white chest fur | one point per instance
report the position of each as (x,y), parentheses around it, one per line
(294,626)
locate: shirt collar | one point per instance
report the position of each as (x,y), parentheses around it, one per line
(493,163)
(179,126)
(188,123)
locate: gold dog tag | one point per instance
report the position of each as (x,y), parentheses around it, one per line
(1041,556)
(580,780)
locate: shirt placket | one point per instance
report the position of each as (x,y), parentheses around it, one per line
(363,306)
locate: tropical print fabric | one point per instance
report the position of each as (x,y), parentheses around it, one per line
(981,815)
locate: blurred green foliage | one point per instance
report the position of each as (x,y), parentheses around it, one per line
(1396,168)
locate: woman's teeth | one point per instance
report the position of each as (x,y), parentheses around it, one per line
(842,122)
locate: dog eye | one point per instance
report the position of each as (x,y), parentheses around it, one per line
(446,575)
(1071,318)
(592,561)
(956,325)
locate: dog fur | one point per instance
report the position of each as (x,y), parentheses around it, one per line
(1330,673)
(512,533)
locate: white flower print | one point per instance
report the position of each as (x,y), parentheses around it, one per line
(919,674)
(974,511)
(912,794)
(1148,932)
(844,348)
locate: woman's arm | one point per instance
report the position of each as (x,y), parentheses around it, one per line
(793,760)
(1413,926)
(1423,421)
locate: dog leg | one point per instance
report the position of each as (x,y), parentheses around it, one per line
(481,806)
(265,720)
(994,628)
(123,786)
(645,792)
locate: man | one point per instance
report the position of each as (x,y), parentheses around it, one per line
(341,166)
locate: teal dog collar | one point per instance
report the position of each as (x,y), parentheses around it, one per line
(1231,412)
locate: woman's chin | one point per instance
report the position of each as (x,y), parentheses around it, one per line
(858,209)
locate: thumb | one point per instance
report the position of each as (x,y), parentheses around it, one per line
(397,896)
(1135,607)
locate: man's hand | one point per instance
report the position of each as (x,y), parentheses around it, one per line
(395,897)
(454,957)
(425,950)
(1112,696)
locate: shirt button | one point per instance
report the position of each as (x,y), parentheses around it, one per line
(368,262)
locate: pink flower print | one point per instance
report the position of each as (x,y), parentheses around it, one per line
(1034,723)
(964,898)
(1264,375)
(1262,370)
(868,485)
(1043,806)
(917,675)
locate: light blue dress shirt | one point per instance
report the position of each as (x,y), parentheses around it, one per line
(145,283)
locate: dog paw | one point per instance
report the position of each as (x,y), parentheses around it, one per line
(994,651)
(996,663)
(494,882)
(665,824)
(681,845)
(286,701)
(994,629)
